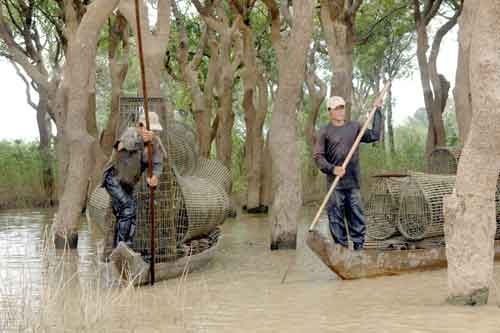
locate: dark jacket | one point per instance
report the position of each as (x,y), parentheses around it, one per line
(333,145)
(131,160)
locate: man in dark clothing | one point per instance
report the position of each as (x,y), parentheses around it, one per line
(128,161)
(334,142)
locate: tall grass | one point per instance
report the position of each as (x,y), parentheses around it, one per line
(70,294)
(21,174)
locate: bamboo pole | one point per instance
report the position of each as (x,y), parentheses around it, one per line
(149,144)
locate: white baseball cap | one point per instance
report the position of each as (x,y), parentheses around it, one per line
(335,101)
(154,121)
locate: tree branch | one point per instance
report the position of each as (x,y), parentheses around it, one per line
(13,17)
(18,55)
(354,7)
(442,31)
(431,11)
(28,90)
(370,32)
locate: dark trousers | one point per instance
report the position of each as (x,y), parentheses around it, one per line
(124,207)
(347,203)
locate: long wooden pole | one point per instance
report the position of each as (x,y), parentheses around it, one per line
(380,97)
(149,144)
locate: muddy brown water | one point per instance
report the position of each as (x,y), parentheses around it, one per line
(240,290)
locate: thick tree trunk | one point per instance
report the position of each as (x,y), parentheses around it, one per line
(254,141)
(470,211)
(203,130)
(461,93)
(109,134)
(255,105)
(283,137)
(341,62)
(338,23)
(224,138)
(154,43)
(81,49)
(98,154)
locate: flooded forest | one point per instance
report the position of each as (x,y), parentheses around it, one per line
(249,166)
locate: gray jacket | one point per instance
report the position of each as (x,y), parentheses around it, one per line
(131,160)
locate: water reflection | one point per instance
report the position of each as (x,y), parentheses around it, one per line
(239,291)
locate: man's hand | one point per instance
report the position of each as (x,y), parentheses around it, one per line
(147,136)
(339,171)
(153,181)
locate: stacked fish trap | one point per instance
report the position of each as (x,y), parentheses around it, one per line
(191,199)
(405,212)
(383,206)
(421,205)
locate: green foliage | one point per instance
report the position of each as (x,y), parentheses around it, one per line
(21,176)
(385,48)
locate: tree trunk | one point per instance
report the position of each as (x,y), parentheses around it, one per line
(229,59)
(61,142)
(470,211)
(224,138)
(201,94)
(44,131)
(118,68)
(154,42)
(81,49)
(462,94)
(255,105)
(283,138)
(254,141)
(339,30)
(435,96)
(432,114)
(317,92)
(390,128)
(341,62)
(266,190)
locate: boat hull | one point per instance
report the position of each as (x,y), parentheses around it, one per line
(349,265)
(133,269)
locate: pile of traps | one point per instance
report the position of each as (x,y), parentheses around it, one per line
(191,200)
(405,211)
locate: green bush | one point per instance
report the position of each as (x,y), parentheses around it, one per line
(21,182)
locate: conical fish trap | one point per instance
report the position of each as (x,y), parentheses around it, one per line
(214,171)
(444,160)
(183,148)
(383,206)
(206,205)
(188,209)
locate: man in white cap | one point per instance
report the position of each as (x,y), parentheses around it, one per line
(332,147)
(128,161)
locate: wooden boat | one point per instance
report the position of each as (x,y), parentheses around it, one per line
(349,265)
(135,270)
